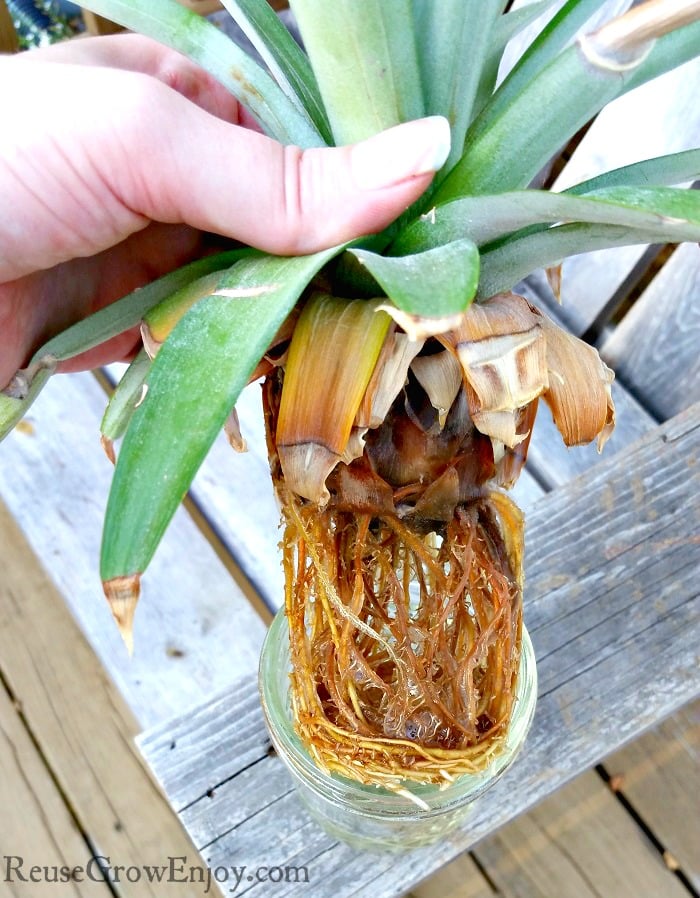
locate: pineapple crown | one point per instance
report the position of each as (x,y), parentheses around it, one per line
(479,229)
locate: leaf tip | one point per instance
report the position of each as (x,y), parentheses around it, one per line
(419,327)
(108,446)
(123,595)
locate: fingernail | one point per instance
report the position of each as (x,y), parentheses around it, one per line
(403,152)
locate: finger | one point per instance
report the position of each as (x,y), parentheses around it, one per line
(136,53)
(281,199)
(82,177)
(36,307)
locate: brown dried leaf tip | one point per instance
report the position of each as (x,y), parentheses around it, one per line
(123,595)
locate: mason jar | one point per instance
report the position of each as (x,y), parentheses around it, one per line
(370,817)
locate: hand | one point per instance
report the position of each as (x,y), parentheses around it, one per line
(118,155)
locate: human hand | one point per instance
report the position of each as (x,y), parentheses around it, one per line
(117,156)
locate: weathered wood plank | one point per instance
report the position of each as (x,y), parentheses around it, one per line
(612,606)
(659,774)
(195,630)
(460,879)
(8,35)
(552,463)
(236,492)
(662,116)
(549,460)
(81,723)
(656,347)
(582,841)
(36,827)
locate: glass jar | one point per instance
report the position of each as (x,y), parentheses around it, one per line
(369,817)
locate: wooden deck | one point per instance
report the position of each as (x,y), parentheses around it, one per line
(73,785)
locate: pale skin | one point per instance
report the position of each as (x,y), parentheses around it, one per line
(119,159)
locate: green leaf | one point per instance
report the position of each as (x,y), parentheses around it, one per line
(364,58)
(674,168)
(193,384)
(530,129)
(175,26)
(127,312)
(287,62)
(555,35)
(503,266)
(125,398)
(536,123)
(516,20)
(98,328)
(505,29)
(433,284)
(484,219)
(453,38)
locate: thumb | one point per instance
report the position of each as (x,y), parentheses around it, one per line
(223,178)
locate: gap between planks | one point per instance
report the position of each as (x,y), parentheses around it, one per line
(36,826)
(85,732)
(582,842)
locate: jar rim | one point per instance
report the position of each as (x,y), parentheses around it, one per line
(273,681)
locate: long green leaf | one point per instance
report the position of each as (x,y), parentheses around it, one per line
(193,384)
(674,168)
(364,58)
(549,110)
(127,312)
(453,38)
(287,62)
(484,219)
(516,20)
(504,266)
(175,26)
(531,128)
(549,42)
(505,29)
(98,328)
(125,398)
(433,284)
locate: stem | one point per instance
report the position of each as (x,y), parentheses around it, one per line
(619,43)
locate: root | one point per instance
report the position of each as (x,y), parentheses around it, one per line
(405,648)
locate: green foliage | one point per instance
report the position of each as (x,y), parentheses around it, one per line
(449,273)
(192,386)
(368,65)
(364,58)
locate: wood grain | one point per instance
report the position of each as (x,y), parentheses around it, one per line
(35,824)
(659,774)
(8,35)
(582,841)
(195,630)
(83,726)
(656,347)
(578,843)
(613,602)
